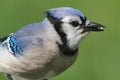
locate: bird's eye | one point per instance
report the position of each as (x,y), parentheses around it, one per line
(74,23)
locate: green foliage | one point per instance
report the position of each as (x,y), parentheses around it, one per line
(99,52)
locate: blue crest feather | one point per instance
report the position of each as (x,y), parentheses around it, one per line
(64,11)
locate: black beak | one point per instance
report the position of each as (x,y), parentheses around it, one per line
(93,27)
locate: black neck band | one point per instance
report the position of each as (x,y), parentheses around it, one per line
(64,47)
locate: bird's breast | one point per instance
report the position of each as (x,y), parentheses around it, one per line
(61,63)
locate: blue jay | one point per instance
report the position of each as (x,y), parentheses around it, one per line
(42,50)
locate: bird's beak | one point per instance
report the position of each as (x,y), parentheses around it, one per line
(93,27)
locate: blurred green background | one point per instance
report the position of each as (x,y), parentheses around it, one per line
(99,54)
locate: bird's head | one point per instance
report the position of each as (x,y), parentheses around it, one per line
(71,24)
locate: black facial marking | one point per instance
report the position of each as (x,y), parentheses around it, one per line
(66,50)
(64,47)
(83,19)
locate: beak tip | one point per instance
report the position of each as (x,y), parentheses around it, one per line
(94,27)
(101,28)
(97,27)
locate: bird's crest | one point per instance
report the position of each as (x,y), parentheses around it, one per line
(59,13)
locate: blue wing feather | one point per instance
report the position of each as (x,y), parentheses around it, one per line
(11,45)
(24,38)
(17,50)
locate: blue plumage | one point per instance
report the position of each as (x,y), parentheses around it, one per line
(63,12)
(22,39)
(13,48)
(41,50)
(17,50)
(25,38)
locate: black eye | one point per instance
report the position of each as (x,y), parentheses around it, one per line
(74,23)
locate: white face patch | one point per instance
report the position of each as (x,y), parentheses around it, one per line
(71,18)
(74,34)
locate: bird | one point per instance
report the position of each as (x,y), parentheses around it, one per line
(45,49)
